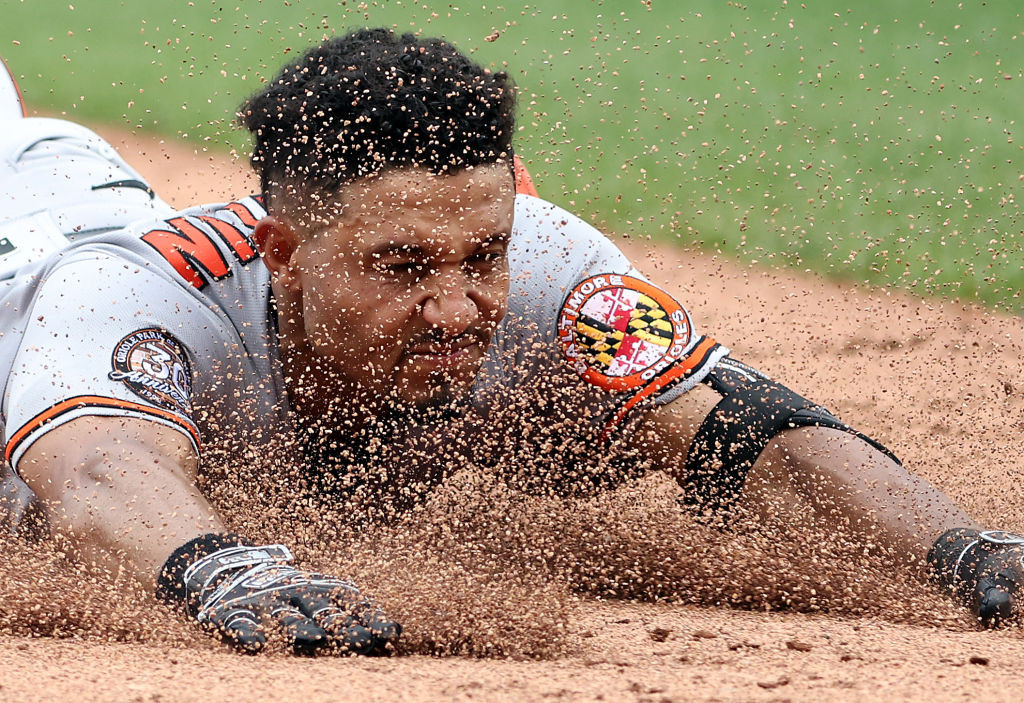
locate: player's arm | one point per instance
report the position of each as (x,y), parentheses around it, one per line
(755,441)
(743,436)
(122,490)
(719,418)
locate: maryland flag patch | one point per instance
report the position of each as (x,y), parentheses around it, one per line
(620,332)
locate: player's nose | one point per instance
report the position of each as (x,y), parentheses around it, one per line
(449,305)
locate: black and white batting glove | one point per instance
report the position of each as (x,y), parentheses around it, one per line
(242,591)
(982,570)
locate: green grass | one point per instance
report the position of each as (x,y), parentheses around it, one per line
(874,143)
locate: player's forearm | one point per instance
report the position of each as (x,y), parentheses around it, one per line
(135,516)
(841,476)
(126,496)
(846,479)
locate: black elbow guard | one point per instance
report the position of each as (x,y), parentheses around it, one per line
(752,411)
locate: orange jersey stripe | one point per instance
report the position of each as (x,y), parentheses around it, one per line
(686,365)
(96,401)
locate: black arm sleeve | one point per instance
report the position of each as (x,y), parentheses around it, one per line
(752,411)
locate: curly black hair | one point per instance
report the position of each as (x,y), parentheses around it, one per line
(358,104)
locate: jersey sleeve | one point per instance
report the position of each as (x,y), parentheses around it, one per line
(103,338)
(574,293)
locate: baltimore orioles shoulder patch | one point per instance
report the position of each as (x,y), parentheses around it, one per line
(619,332)
(152,363)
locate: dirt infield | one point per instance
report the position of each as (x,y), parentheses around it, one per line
(938,382)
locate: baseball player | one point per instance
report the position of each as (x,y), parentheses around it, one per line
(395,295)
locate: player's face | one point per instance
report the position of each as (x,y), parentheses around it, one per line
(403,292)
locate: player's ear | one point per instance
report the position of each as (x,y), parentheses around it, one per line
(277,241)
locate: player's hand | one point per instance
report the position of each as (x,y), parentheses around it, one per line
(994,596)
(247,594)
(984,570)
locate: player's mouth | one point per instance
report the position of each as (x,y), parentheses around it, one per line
(450,354)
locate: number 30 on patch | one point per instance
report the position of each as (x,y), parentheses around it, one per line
(620,332)
(153,365)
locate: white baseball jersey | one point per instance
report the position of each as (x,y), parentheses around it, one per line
(169,319)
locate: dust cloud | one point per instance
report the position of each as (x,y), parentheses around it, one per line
(478,567)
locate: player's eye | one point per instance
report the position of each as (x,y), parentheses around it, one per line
(400,269)
(487,260)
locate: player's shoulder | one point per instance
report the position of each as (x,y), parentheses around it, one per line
(550,241)
(536,218)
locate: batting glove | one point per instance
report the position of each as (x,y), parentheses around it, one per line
(238,590)
(983,570)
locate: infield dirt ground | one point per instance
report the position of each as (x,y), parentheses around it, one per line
(939,382)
